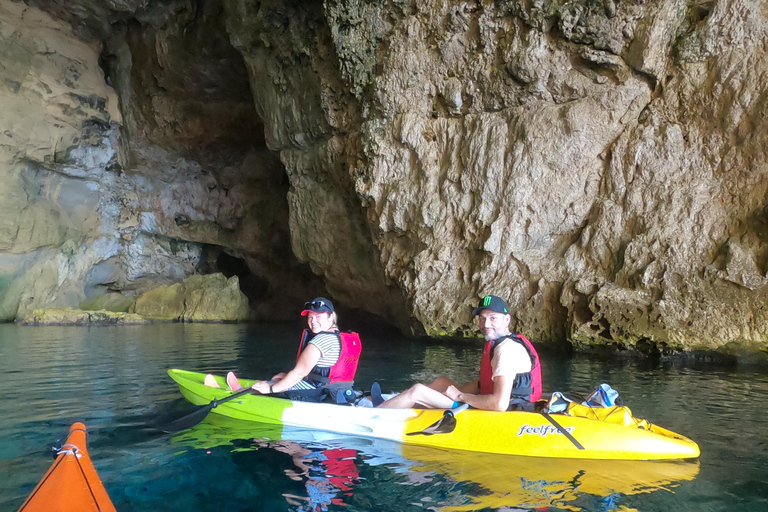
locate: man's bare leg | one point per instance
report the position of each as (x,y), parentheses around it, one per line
(419,395)
(441,384)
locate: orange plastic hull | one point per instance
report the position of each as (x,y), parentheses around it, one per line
(71,484)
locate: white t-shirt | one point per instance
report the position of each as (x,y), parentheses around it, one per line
(509,359)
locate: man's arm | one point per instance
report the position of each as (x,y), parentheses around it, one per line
(498,401)
(470,387)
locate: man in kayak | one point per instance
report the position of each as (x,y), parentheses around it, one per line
(326,358)
(510,373)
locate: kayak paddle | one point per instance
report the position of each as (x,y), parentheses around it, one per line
(444,425)
(198,414)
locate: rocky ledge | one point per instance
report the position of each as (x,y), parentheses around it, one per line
(69,316)
(211,298)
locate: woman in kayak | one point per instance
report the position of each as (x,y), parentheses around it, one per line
(325,356)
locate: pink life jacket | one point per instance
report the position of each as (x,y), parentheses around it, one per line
(344,369)
(526,385)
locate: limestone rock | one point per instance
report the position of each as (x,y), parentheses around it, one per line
(586,183)
(97,197)
(209,298)
(161,303)
(600,164)
(69,316)
(214,298)
(114,302)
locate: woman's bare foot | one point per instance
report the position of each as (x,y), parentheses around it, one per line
(233,383)
(210,381)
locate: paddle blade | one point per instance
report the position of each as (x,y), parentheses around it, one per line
(189,420)
(444,425)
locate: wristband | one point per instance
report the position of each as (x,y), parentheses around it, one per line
(270,390)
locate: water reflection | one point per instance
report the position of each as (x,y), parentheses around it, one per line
(327,472)
(330,467)
(114,379)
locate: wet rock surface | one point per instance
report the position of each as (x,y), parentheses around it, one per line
(69,316)
(599,164)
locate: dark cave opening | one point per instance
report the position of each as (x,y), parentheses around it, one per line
(254,287)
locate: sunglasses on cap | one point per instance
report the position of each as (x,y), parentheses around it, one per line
(316,304)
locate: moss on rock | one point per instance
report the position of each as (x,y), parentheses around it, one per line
(200,298)
(69,316)
(214,298)
(115,302)
(161,303)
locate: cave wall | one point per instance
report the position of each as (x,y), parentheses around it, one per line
(57,122)
(598,163)
(134,157)
(312,121)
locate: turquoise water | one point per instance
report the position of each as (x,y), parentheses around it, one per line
(114,380)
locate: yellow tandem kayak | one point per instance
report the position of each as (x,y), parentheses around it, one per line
(508,433)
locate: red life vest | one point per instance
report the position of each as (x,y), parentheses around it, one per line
(344,369)
(526,385)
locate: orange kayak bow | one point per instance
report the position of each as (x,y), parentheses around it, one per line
(71,484)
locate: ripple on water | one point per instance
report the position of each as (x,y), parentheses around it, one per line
(115,380)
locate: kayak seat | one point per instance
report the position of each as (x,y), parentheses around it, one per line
(341,393)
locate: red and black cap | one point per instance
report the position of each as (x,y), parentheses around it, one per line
(493,303)
(318,305)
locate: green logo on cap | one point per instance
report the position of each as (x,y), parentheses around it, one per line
(487,300)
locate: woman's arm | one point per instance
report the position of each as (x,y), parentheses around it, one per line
(307,360)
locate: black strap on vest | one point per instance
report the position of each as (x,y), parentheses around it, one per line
(318,376)
(516,339)
(519,389)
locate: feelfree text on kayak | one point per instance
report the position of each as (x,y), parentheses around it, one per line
(542,430)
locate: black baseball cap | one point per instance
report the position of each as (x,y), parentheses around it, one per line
(318,305)
(493,303)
